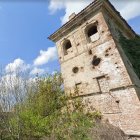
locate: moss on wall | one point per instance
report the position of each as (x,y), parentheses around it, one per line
(131,48)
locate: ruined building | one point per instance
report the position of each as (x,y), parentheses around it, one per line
(92,59)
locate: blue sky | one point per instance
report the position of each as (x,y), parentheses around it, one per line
(25,26)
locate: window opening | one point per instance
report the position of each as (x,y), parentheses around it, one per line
(67,46)
(92,30)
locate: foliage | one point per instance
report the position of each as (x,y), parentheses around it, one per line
(47,112)
(132,50)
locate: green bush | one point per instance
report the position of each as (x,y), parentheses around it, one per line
(48,112)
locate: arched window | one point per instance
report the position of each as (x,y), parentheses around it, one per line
(66,47)
(92,32)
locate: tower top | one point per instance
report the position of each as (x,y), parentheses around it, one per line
(76,20)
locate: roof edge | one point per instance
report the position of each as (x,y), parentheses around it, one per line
(95,5)
(71,22)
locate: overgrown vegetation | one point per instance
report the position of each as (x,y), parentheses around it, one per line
(47,112)
(132,51)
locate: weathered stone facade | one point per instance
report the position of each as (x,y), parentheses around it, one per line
(92,60)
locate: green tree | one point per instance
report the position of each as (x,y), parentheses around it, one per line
(48,112)
(45,112)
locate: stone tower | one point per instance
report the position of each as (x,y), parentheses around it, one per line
(92,59)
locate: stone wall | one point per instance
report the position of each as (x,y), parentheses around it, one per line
(102,73)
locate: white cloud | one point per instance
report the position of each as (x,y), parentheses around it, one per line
(20,68)
(37,71)
(129,9)
(46,56)
(56,5)
(18,65)
(70,6)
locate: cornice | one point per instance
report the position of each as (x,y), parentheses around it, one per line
(83,15)
(76,21)
(107,6)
